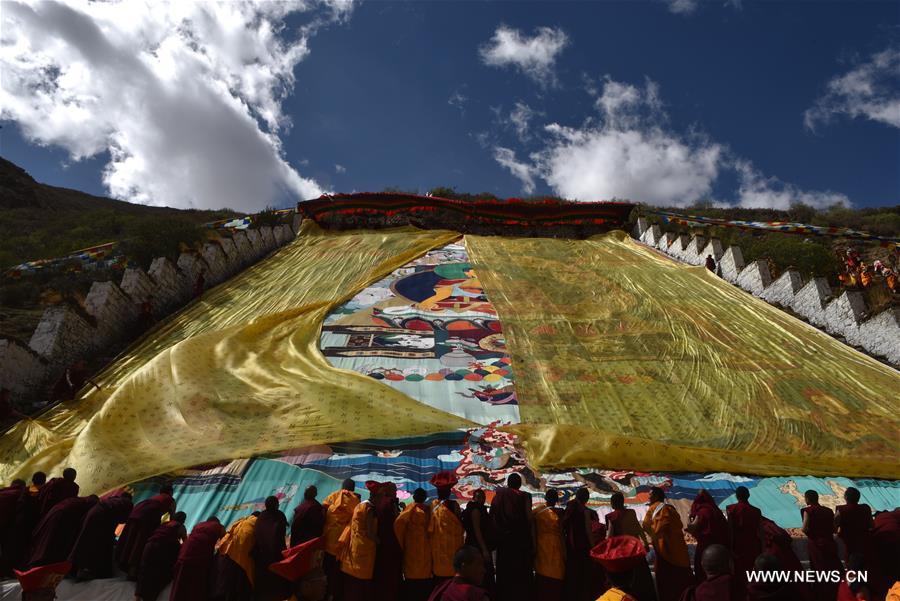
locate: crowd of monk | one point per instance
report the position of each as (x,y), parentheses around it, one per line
(347,549)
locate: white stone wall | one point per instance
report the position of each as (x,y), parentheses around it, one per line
(846,316)
(62,336)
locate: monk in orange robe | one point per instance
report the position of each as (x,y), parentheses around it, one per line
(234,570)
(818,525)
(746,532)
(411,530)
(445,529)
(338,507)
(854,524)
(673,565)
(550,549)
(358,545)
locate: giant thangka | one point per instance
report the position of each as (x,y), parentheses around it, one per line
(391,353)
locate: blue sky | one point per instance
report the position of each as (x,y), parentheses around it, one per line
(759,104)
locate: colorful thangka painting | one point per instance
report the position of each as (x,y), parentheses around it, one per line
(429,330)
(482,458)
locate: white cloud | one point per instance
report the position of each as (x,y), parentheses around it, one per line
(185,96)
(756,190)
(870,90)
(338,168)
(522,171)
(631,152)
(534,56)
(458,100)
(682,7)
(520,118)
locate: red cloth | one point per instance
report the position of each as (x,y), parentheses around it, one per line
(93,549)
(510,513)
(158,560)
(54,491)
(308,522)
(823,552)
(444,479)
(886,549)
(42,577)
(57,532)
(270,529)
(191,576)
(456,589)
(856,528)
(619,553)
(712,529)
(744,520)
(139,527)
(300,559)
(719,588)
(389,558)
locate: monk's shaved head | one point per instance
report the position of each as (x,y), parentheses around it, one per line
(657,495)
(272,503)
(617,500)
(18,483)
(583,494)
(310,493)
(716,560)
(419,495)
(851,495)
(348,484)
(69,474)
(180,517)
(766,562)
(551,496)
(741,493)
(39,478)
(514,481)
(811,496)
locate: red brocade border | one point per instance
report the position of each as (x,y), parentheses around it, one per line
(512,217)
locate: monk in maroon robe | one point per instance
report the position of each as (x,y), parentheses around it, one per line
(159,557)
(854,524)
(774,591)
(309,518)
(16,539)
(56,490)
(708,525)
(141,524)
(579,566)
(192,570)
(57,531)
(744,522)
(511,516)
(886,549)
(818,525)
(480,534)
(778,544)
(271,529)
(9,499)
(719,583)
(388,571)
(469,566)
(92,554)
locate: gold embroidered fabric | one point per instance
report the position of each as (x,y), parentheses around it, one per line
(235,374)
(627,359)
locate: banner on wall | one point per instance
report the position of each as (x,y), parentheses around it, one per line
(784,227)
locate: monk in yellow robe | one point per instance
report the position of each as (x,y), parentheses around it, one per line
(358,545)
(673,565)
(550,549)
(411,530)
(445,529)
(338,507)
(234,568)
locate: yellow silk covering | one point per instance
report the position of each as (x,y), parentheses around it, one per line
(236,373)
(626,359)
